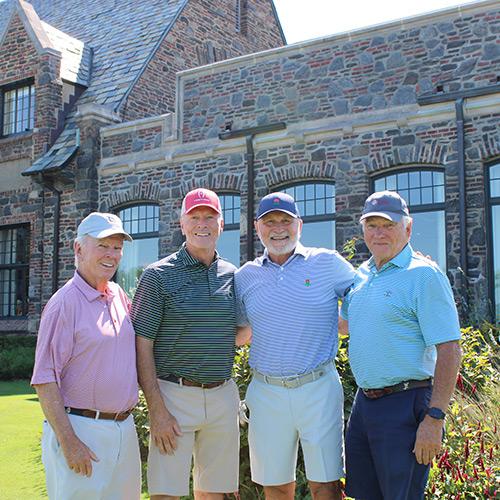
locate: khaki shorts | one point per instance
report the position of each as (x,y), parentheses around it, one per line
(117,475)
(280,418)
(208,419)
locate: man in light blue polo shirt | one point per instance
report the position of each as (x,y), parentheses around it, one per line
(404,332)
(290,296)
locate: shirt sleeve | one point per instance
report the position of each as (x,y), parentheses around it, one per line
(436,310)
(344,309)
(147,307)
(241,312)
(54,345)
(344,275)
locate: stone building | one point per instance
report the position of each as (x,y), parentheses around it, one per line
(67,69)
(412,105)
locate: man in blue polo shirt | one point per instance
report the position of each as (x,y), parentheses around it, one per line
(290,297)
(404,354)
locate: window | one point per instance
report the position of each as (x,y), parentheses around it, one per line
(241,9)
(494,197)
(142,223)
(316,204)
(228,245)
(18,109)
(423,190)
(14,271)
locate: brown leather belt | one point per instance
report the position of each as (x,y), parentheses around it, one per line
(98,415)
(402,386)
(190,383)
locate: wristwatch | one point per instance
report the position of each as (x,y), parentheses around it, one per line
(436,413)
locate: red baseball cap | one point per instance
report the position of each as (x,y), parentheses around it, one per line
(200,198)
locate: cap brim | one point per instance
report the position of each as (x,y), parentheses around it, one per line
(110,232)
(295,216)
(203,205)
(392,216)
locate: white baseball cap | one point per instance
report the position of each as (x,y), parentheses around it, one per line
(102,225)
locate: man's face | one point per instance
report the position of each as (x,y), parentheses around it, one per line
(384,238)
(98,259)
(202,227)
(279,232)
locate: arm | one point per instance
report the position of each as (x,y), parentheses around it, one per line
(343,326)
(77,454)
(243,335)
(164,427)
(430,430)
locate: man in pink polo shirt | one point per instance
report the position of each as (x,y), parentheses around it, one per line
(85,374)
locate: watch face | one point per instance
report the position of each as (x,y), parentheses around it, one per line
(436,413)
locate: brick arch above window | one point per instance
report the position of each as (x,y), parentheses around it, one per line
(221,182)
(300,172)
(134,195)
(490,148)
(429,153)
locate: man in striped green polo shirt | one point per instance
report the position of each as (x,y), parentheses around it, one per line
(184,315)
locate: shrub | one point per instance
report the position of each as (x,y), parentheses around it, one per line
(17,356)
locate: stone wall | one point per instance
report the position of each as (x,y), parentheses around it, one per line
(351,112)
(205,32)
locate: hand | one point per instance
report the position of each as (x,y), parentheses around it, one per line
(428,441)
(164,431)
(79,456)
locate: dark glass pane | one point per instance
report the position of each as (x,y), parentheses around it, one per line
(426,195)
(136,256)
(379,185)
(438,178)
(429,235)
(426,178)
(318,234)
(495,221)
(390,183)
(402,181)
(415,197)
(439,194)
(414,179)
(228,246)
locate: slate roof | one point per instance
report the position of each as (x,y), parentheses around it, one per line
(105,44)
(59,154)
(122,34)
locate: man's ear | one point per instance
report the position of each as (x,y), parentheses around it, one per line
(182,227)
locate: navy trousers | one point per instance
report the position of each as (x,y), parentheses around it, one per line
(380,463)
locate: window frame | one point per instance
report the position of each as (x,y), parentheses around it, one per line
(490,203)
(317,217)
(139,236)
(233,226)
(422,208)
(17,85)
(24,267)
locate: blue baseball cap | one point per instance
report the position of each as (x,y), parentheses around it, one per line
(386,204)
(281,202)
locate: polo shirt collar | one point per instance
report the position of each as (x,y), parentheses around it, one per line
(189,260)
(88,291)
(402,259)
(299,250)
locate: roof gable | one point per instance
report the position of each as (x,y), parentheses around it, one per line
(123,35)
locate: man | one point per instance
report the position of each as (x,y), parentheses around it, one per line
(184,316)
(404,332)
(290,296)
(85,374)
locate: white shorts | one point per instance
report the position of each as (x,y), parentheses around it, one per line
(208,419)
(281,417)
(117,475)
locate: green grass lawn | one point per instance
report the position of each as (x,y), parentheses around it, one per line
(21,470)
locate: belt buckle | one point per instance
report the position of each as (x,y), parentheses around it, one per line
(406,385)
(291,382)
(97,413)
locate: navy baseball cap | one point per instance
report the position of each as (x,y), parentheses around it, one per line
(386,204)
(278,201)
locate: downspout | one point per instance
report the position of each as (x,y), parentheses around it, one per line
(462,193)
(249,134)
(55,243)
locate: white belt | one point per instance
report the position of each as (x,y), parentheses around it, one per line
(294,381)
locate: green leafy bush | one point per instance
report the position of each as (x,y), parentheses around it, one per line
(17,356)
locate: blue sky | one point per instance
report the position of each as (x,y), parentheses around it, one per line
(305,19)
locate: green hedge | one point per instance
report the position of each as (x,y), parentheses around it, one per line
(17,356)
